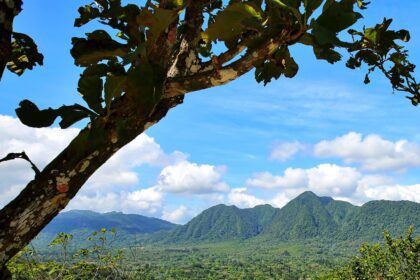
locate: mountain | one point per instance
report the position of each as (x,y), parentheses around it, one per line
(308,216)
(305,217)
(222,222)
(370,220)
(76,220)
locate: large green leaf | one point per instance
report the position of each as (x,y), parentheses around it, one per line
(339,16)
(282,63)
(24,55)
(30,115)
(98,46)
(156,21)
(233,20)
(87,13)
(114,86)
(335,17)
(90,87)
(311,6)
(144,85)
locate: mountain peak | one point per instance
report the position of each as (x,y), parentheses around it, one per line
(307,194)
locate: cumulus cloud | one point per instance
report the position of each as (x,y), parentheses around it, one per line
(119,171)
(43,144)
(292,178)
(372,152)
(145,201)
(281,199)
(240,198)
(191,178)
(390,192)
(177,216)
(324,178)
(285,151)
(343,183)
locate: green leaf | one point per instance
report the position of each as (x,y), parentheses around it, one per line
(144,85)
(90,87)
(87,13)
(335,17)
(311,6)
(280,64)
(233,21)
(339,16)
(29,114)
(24,54)
(156,20)
(114,86)
(70,116)
(289,4)
(98,46)
(325,53)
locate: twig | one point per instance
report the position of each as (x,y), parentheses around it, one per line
(24,156)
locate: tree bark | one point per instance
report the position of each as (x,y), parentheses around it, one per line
(51,190)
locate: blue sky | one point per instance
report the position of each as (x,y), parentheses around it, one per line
(242,143)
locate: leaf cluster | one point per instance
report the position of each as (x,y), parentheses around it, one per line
(127,63)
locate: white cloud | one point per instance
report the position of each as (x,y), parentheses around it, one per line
(43,144)
(240,198)
(333,179)
(285,151)
(375,187)
(119,171)
(145,201)
(391,192)
(191,178)
(372,151)
(292,178)
(280,199)
(343,183)
(178,216)
(323,179)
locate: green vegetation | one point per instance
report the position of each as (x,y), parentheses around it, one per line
(309,238)
(396,259)
(305,218)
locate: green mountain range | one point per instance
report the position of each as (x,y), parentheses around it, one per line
(76,220)
(305,217)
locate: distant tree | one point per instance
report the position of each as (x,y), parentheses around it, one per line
(396,259)
(162,50)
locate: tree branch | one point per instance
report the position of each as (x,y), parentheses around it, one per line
(215,77)
(186,58)
(21,155)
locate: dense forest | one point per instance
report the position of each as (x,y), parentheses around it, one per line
(311,237)
(396,258)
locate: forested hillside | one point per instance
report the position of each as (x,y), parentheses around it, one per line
(76,220)
(305,217)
